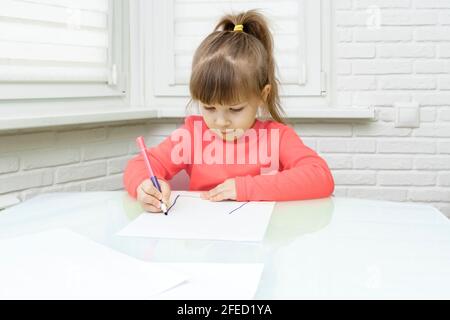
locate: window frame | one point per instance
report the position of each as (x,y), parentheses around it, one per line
(31,114)
(118,26)
(137,101)
(163,91)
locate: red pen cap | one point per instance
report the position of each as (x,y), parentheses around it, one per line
(140,142)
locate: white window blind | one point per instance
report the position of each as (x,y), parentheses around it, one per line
(58,48)
(180,26)
(193,23)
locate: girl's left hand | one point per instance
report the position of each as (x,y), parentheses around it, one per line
(224,191)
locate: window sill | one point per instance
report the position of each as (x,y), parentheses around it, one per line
(17,121)
(367,113)
(361,113)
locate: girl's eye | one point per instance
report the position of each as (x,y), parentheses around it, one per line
(237,110)
(209,109)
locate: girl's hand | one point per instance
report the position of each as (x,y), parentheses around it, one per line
(224,191)
(148,196)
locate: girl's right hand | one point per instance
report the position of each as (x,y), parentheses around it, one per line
(148,196)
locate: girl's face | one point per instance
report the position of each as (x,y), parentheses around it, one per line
(230,122)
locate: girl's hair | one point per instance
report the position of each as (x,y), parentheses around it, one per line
(230,67)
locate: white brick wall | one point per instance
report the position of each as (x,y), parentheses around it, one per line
(404,58)
(68,159)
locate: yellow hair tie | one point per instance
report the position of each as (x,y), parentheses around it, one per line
(239,28)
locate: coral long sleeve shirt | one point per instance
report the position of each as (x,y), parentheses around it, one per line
(270,164)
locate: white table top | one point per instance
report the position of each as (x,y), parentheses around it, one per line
(333,248)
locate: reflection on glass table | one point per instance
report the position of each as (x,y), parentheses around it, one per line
(333,248)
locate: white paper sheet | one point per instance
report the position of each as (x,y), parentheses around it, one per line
(215,281)
(60,264)
(194,218)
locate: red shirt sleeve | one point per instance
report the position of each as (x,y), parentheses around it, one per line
(303,175)
(160,159)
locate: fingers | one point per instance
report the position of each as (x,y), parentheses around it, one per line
(223,191)
(219,193)
(148,202)
(150,208)
(216,191)
(147,197)
(148,187)
(219,197)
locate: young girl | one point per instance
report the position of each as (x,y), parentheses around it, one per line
(228,153)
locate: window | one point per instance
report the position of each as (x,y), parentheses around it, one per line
(300,29)
(62,49)
(82,61)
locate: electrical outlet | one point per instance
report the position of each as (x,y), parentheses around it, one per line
(407,115)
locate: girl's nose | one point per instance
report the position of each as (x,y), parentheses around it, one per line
(222,122)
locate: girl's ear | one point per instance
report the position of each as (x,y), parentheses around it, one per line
(265,92)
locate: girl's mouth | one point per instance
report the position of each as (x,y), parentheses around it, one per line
(227,131)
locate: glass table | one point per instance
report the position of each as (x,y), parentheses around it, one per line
(332,248)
